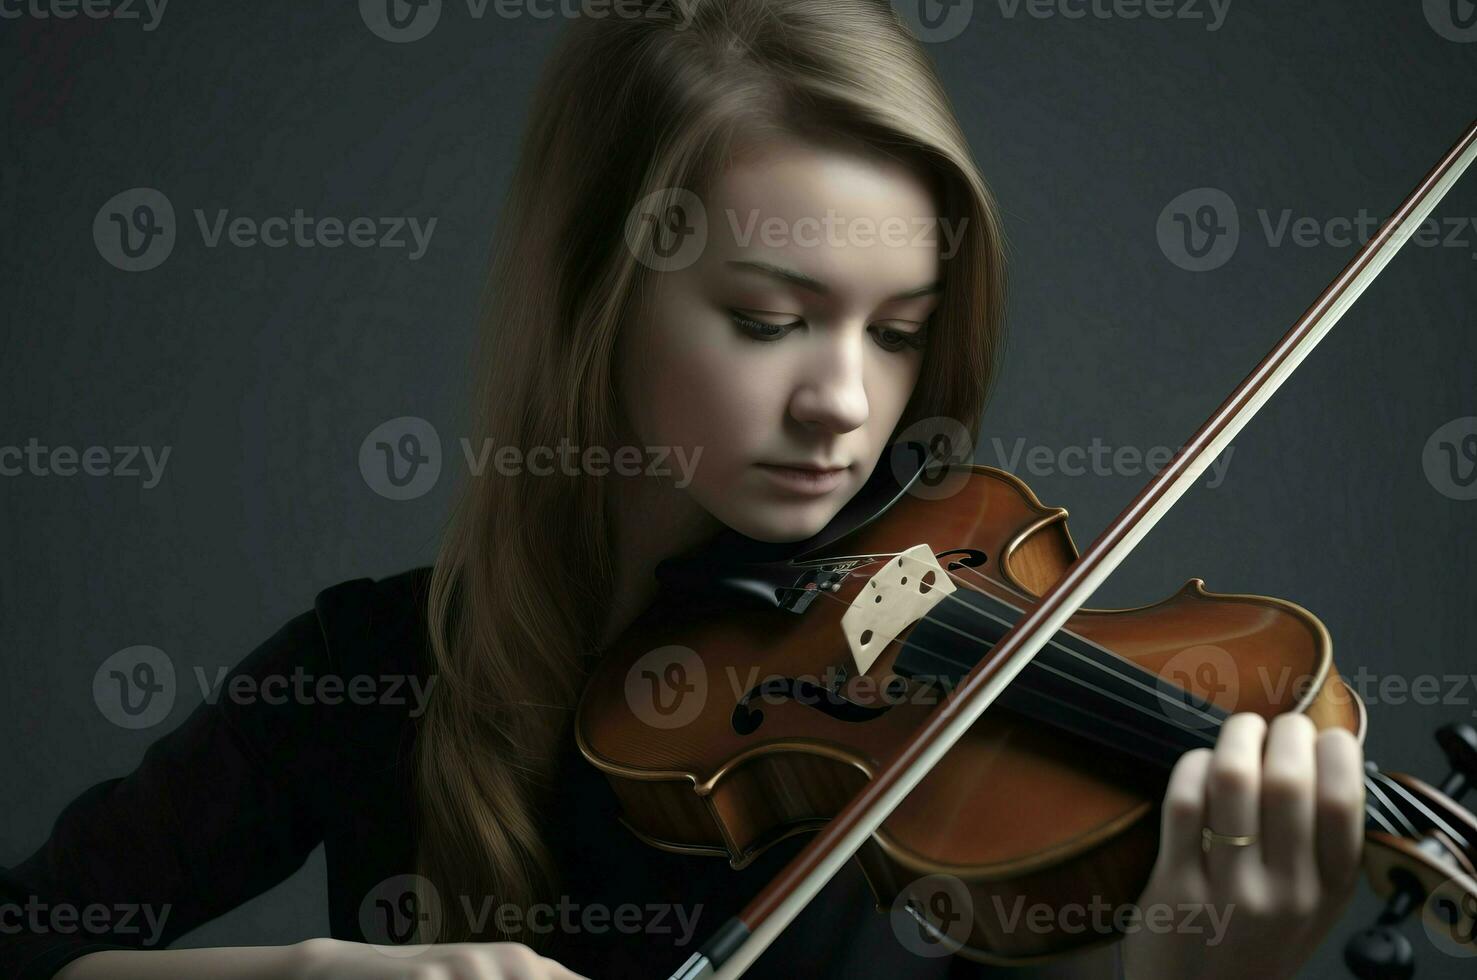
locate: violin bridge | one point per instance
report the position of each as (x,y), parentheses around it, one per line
(897,596)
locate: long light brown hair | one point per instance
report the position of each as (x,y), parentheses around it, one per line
(629,106)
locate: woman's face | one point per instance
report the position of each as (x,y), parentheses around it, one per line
(794,339)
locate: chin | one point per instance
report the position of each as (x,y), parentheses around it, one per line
(783,523)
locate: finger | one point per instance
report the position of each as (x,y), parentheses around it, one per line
(1184,813)
(1289,779)
(1339,806)
(544,968)
(558,971)
(515,961)
(1232,791)
(547,969)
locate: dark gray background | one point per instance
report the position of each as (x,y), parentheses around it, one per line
(264,369)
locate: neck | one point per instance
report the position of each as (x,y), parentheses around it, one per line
(651,520)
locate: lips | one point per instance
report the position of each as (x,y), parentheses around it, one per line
(809,467)
(806,479)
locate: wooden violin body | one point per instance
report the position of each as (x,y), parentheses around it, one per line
(725,730)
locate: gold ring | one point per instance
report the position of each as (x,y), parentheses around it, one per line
(1209,837)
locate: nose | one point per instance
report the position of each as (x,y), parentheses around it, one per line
(830,391)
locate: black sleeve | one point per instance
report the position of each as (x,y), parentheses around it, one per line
(219,810)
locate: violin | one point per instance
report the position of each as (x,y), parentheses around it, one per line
(1090,730)
(840,685)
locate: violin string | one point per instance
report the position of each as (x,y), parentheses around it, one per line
(1391,808)
(1198,736)
(1415,803)
(1060,700)
(1397,811)
(1105,667)
(1201,737)
(1160,718)
(1375,813)
(1374,790)
(1157,717)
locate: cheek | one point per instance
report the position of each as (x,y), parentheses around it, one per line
(695,390)
(896,377)
(890,382)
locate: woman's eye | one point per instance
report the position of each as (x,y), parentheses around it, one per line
(897,340)
(888,338)
(755,330)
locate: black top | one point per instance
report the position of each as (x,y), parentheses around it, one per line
(233,800)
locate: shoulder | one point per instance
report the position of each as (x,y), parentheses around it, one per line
(343,680)
(376,623)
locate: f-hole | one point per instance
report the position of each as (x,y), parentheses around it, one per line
(748,716)
(973,558)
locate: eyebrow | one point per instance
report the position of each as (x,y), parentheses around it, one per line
(815,285)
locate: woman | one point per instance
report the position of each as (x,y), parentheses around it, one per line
(693,262)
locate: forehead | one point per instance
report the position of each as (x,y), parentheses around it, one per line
(863,223)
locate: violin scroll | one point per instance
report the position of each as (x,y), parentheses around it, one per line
(1430,865)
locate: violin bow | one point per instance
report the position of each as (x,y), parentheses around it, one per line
(743,938)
